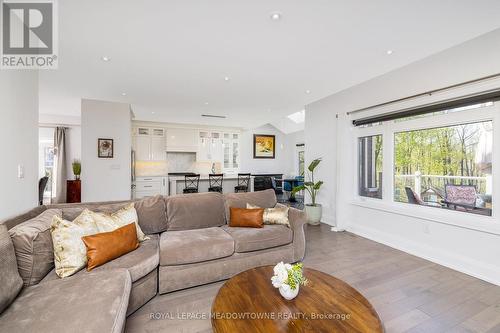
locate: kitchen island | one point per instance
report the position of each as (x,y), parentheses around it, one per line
(176,184)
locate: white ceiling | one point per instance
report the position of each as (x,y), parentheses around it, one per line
(171,57)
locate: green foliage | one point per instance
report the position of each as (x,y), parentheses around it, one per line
(310,186)
(447,151)
(77,167)
(295,276)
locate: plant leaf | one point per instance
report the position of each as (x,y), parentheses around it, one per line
(314,164)
(298,188)
(318,185)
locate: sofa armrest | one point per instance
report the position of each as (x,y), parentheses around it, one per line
(297,220)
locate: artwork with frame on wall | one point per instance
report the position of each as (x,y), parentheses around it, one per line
(105,148)
(264,146)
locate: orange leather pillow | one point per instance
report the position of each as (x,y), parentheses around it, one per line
(242,217)
(106,246)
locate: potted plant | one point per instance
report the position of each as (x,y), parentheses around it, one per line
(287,278)
(313,209)
(77,169)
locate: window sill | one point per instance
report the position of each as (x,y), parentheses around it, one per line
(486,224)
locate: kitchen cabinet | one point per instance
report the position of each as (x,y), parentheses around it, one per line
(231,152)
(182,140)
(209,147)
(149,144)
(149,186)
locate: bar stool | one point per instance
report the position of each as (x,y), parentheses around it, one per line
(243,183)
(191,183)
(215,182)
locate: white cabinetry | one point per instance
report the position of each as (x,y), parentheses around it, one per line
(149,143)
(149,186)
(182,140)
(231,155)
(209,147)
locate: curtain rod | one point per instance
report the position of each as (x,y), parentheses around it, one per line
(48,125)
(430,92)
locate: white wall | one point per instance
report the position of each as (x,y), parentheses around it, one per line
(105,179)
(283,162)
(471,251)
(19,134)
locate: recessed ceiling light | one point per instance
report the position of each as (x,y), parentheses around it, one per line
(308,91)
(124,94)
(106,58)
(226,78)
(275,16)
(152,112)
(389,52)
(206,103)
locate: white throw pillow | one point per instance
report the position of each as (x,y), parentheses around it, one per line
(70,253)
(120,218)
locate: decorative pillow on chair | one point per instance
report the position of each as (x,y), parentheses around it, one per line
(122,217)
(106,246)
(70,254)
(276,215)
(241,217)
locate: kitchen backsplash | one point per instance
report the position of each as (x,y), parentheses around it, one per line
(181,162)
(176,162)
(144,169)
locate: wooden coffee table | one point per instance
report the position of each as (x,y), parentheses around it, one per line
(249,303)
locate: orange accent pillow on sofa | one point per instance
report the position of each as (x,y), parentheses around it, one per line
(242,217)
(106,246)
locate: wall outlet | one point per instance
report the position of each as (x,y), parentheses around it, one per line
(115,167)
(426,229)
(20,171)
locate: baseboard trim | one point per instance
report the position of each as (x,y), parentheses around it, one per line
(480,270)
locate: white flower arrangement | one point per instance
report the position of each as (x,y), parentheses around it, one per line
(288,278)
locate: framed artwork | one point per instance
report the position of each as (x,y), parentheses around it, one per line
(105,148)
(264,146)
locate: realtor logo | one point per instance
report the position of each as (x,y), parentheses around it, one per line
(29,34)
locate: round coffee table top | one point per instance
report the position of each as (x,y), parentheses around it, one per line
(248,302)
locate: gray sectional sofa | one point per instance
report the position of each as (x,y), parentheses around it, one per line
(190,244)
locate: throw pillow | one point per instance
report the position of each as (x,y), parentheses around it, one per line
(109,222)
(241,217)
(33,245)
(276,215)
(151,212)
(10,280)
(70,254)
(106,246)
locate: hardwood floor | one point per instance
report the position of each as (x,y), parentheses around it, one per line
(409,293)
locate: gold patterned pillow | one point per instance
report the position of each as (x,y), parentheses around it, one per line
(276,215)
(70,253)
(122,217)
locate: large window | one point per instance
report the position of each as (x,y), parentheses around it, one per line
(370,166)
(448,167)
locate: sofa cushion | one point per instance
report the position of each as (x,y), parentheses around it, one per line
(253,239)
(195,211)
(97,304)
(71,211)
(191,246)
(262,199)
(139,263)
(152,214)
(33,245)
(10,280)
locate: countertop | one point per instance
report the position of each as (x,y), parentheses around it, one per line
(202,177)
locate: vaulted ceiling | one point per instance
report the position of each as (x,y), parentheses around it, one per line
(176,60)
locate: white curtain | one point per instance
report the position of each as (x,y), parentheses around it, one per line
(59,172)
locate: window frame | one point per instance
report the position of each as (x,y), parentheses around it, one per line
(390,128)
